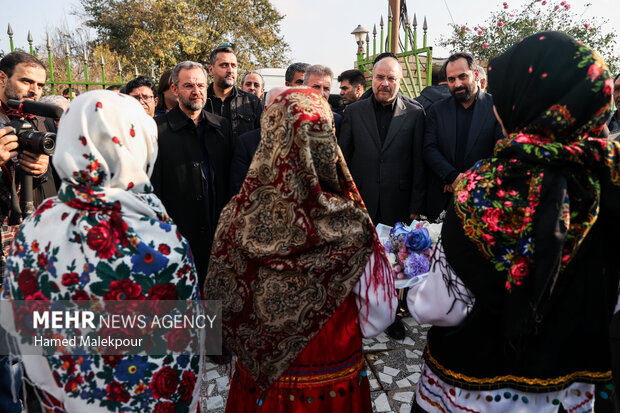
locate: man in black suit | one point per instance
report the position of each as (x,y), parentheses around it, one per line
(191,174)
(381,140)
(460,130)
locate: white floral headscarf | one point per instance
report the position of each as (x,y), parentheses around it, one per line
(106,236)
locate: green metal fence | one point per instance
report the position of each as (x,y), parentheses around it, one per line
(92,76)
(417,61)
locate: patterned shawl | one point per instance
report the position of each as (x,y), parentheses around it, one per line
(530,206)
(106,236)
(292,244)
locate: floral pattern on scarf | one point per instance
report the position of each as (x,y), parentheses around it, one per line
(541,189)
(292,244)
(107,237)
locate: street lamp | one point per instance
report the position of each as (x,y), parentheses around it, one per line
(360,34)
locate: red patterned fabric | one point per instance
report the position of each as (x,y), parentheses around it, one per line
(328,375)
(292,244)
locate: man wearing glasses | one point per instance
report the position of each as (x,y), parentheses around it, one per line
(143,89)
(191,174)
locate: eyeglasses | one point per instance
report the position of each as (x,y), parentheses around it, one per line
(143,98)
(191,86)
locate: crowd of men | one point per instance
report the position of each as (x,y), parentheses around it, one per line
(405,155)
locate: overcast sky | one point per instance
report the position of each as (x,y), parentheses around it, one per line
(318,31)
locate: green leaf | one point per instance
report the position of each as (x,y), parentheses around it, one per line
(100,288)
(123,270)
(106,273)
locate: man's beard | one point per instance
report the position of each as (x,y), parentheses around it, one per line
(195,105)
(225,83)
(11,92)
(462,97)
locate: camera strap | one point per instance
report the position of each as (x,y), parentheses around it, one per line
(15,113)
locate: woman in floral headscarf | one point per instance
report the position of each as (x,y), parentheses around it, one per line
(532,235)
(105,237)
(296,262)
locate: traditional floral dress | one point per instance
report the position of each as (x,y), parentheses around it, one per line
(105,237)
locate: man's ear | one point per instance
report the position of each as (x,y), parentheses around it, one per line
(174,89)
(3,79)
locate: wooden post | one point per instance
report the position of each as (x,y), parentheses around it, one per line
(395,7)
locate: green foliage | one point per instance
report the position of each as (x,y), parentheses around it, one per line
(506,26)
(165,32)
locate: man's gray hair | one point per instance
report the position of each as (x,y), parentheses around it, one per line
(318,70)
(253,72)
(188,64)
(482,74)
(56,100)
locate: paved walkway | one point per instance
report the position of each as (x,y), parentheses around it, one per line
(393,369)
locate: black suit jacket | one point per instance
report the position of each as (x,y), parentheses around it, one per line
(177,177)
(440,146)
(243,153)
(389,176)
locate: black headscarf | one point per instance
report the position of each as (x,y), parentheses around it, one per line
(529,207)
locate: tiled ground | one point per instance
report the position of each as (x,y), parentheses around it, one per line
(393,369)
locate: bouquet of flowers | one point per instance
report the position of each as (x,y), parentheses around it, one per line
(410,249)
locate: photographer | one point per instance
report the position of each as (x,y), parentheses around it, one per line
(22,78)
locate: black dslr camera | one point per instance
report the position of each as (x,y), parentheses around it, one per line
(28,138)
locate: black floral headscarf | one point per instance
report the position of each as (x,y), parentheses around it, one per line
(530,206)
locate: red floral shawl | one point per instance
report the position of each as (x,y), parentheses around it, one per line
(292,244)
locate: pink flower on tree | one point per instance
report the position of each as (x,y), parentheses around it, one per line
(544,2)
(485,45)
(505,5)
(500,23)
(586,25)
(567,6)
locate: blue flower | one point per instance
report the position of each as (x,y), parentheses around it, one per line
(98,394)
(84,278)
(165,226)
(399,229)
(416,264)
(148,260)
(131,370)
(84,395)
(87,364)
(182,360)
(418,240)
